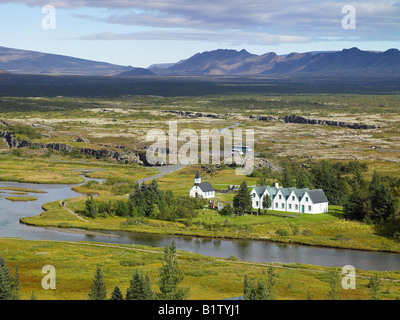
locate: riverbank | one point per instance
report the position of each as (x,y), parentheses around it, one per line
(208,278)
(323,230)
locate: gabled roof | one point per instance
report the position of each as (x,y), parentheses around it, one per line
(206,187)
(259,190)
(301,192)
(317,196)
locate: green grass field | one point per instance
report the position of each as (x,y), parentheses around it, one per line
(208,278)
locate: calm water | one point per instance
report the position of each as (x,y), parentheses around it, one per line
(257,251)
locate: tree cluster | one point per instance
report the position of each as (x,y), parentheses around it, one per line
(147,200)
(372,202)
(140,288)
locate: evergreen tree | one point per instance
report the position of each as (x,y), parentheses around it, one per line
(358,205)
(170,276)
(334,284)
(91,207)
(140,287)
(249,289)
(98,290)
(242,201)
(263,291)
(328,179)
(33,297)
(383,203)
(267,202)
(303,179)
(287,179)
(374,286)
(16,286)
(9,285)
(271,283)
(116,294)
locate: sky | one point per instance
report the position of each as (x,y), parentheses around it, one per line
(143,32)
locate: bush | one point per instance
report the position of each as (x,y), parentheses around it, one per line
(307,233)
(227,210)
(282,233)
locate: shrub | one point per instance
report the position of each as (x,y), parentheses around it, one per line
(282,233)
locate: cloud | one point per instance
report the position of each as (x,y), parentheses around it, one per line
(195,35)
(259,20)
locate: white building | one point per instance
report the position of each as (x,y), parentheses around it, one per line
(202,189)
(290,199)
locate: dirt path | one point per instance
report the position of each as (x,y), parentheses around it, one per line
(73,213)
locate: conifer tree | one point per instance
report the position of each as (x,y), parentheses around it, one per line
(98,290)
(140,287)
(116,294)
(374,286)
(242,201)
(170,276)
(334,284)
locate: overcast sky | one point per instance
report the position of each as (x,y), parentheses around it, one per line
(143,32)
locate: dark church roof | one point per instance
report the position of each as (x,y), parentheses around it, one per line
(206,187)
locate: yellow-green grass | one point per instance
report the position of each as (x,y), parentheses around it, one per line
(182,181)
(21,199)
(22,190)
(38,170)
(208,278)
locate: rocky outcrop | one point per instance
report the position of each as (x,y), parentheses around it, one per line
(264,163)
(300,119)
(13,141)
(262,118)
(127,157)
(191,114)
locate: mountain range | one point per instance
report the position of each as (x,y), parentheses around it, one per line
(242,63)
(221,62)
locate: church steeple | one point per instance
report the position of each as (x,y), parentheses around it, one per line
(197,178)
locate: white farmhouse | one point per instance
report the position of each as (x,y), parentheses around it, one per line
(202,189)
(290,199)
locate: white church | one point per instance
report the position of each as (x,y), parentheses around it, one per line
(202,189)
(290,199)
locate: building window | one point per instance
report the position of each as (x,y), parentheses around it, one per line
(309,208)
(256,203)
(283,206)
(293,198)
(280,197)
(276,205)
(306,199)
(290,206)
(297,206)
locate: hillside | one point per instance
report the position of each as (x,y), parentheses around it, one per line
(136,72)
(30,62)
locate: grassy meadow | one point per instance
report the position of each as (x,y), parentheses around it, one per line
(208,278)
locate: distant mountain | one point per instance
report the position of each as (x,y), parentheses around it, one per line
(3,72)
(136,72)
(231,62)
(30,62)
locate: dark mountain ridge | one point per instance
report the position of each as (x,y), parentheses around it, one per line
(242,63)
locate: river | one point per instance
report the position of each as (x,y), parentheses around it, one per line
(249,250)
